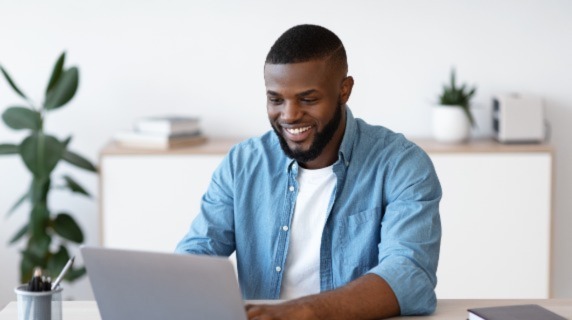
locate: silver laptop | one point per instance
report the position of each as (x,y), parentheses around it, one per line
(147,285)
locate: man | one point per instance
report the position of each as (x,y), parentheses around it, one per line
(337,216)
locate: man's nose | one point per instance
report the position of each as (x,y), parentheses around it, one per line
(291,112)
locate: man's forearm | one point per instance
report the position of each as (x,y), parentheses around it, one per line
(368,297)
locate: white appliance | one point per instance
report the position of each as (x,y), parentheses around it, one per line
(518,118)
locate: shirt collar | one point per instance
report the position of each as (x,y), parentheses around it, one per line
(345,153)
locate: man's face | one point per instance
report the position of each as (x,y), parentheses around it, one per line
(305,108)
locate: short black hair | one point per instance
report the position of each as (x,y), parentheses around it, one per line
(307,42)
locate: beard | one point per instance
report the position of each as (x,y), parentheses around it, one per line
(321,139)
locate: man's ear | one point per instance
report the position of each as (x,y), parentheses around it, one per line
(346,90)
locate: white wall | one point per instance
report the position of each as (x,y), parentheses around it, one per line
(205,58)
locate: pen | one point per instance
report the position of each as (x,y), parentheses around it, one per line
(63,273)
(46,283)
(36,283)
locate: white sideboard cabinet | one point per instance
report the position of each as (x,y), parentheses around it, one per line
(495,211)
(496,218)
(149,197)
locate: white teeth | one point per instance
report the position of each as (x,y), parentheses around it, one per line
(298,130)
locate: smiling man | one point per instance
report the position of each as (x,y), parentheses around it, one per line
(338,217)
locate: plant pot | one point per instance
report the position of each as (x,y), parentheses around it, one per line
(450,124)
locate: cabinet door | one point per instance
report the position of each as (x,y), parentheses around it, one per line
(149,201)
(496,218)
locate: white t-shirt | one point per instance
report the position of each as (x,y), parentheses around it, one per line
(302,270)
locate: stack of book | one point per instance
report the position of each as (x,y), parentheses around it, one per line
(162,133)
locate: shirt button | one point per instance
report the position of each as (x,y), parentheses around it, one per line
(285,228)
(278,269)
(291,188)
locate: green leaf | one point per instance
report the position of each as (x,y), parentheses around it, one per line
(74,186)
(36,259)
(57,72)
(39,190)
(41,153)
(453,79)
(471,93)
(18,203)
(39,246)
(458,96)
(12,84)
(64,89)
(65,226)
(57,261)
(27,264)
(67,141)
(19,234)
(22,118)
(9,148)
(78,161)
(467,111)
(39,220)
(75,273)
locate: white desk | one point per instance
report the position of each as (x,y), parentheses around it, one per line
(80,310)
(446,309)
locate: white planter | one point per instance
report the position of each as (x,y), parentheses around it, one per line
(450,124)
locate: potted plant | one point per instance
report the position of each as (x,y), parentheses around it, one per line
(452,118)
(47,234)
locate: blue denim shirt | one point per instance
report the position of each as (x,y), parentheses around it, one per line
(383,216)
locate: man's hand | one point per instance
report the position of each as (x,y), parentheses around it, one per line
(295,309)
(368,297)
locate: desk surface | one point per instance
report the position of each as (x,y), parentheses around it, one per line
(446,309)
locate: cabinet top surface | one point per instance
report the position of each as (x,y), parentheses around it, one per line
(215,146)
(212,146)
(479,146)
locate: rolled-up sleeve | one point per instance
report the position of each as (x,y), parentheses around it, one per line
(212,231)
(411,232)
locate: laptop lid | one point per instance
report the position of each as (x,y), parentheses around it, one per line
(149,285)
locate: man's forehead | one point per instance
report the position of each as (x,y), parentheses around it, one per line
(302,75)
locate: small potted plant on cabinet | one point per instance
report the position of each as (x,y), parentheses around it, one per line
(452,118)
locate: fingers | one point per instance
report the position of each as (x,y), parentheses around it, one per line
(262,312)
(253,311)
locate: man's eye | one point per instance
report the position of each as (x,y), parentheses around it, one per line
(275,100)
(309,100)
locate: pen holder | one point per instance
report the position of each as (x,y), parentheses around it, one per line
(44,305)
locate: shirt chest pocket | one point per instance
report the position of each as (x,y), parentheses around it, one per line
(359,239)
